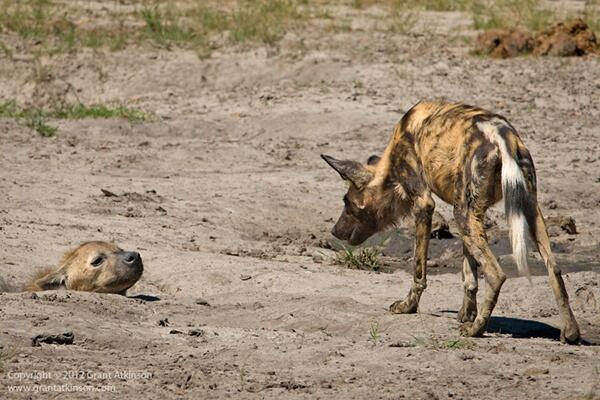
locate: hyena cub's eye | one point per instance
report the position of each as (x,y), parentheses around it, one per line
(97,261)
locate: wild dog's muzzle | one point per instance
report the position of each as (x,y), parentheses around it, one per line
(352,230)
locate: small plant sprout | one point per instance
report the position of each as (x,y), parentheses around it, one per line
(374,332)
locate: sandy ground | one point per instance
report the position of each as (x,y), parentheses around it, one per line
(225,196)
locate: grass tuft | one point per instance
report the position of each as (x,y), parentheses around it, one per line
(47,25)
(79,111)
(438,344)
(374,332)
(242,376)
(434,5)
(55,27)
(510,13)
(263,21)
(37,118)
(402,21)
(165,29)
(37,121)
(363,258)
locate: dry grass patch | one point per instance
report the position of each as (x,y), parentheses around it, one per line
(59,27)
(37,119)
(367,258)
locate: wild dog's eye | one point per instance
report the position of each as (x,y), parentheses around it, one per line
(349,206)
(97,261)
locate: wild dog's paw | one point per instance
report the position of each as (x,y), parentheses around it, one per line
(404,307)
(570,333)
(465,329)
(472,329)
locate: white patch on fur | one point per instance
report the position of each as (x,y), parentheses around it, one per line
(511,173)
(470,279)
(511,176)
(518,239)
(400,192)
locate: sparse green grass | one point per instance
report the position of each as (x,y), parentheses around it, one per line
(46,23)
(79,111)
(54,27)
(249,21)
(37,121)
(324,331)
(33,118)
(164,27)
(591,15)
(511,13)
(242,374)
(37,118)
(438,344)
(434,5)
(374,332)
(31,19)
(402,21)
(11,109)
(264,21)
(488,14)
(49,26)
(364,258)
(457,344)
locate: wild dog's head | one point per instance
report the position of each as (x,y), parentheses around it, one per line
(371,203)
(93,267)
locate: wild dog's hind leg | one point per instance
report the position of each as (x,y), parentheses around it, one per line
(475,240)
(570,330)
(423,210)
(468,311)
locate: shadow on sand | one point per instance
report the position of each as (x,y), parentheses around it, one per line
(522,328)
(145,297)
(526,329)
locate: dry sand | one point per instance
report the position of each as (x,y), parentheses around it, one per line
(225,196)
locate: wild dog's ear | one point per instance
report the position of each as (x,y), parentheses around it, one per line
(352,171)
(373,160)
(51,281)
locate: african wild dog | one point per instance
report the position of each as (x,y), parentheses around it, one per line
(470,158)
(92,267)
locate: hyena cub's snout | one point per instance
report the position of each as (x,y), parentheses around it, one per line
(132,259)
(128,267)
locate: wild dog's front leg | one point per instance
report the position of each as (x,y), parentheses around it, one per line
(468,311)
(424,207)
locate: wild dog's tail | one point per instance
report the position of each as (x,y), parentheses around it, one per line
(517,200)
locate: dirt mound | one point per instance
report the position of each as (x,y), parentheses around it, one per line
(570,38)
(503,43)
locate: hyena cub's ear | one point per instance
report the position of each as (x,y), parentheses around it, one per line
(52,280)
(373,160)
(352,171)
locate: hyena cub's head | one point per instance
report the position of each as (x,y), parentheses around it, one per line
(93,267)
(369,205)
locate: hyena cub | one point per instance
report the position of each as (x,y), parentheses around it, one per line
(470,158)
(92,267)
